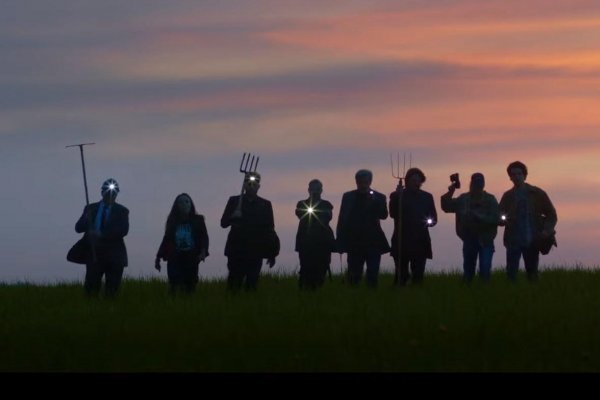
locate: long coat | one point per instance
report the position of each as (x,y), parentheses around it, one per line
(167,247)
(110,246)
(359,227)
(314,232)
(417,208)
(253,235)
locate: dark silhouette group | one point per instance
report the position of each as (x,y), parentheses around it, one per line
(525,211)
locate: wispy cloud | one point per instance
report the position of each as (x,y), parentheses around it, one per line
(174,92)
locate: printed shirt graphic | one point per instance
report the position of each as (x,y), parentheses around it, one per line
(183,237)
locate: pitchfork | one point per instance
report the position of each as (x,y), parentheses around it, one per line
(399,191)
(248,165)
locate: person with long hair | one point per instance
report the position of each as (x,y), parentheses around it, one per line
(184,245)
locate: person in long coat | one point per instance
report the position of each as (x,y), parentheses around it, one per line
(314,238)
(105,224)
(252,236)
(418,215)
(359,230)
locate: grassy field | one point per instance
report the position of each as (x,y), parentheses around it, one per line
(551,325)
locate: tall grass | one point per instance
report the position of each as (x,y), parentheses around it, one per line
(443,325)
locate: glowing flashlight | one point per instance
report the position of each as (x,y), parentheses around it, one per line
(252,178)
(503,217)
(111,186)
(429,221)
(310,210)
(370,192)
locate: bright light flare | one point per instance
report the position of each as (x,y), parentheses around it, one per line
(311,212)
(429,221)
(503,218)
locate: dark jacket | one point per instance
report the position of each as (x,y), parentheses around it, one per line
(253,235)
(541,211)
(314,232)
(485,227)
(167,248)
(417,207)
(111,246)
(359,228)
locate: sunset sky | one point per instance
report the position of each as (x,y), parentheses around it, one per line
(174,92)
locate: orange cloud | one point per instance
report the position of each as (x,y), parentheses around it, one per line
(464,33)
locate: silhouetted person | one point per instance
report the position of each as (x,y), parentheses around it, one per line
(314,238)
(529,219)
(184,245)
(359,231)
(476,225)
(252,236)
(418,215)
(105,223)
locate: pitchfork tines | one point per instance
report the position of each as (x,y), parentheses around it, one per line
(249,163)
(396,171)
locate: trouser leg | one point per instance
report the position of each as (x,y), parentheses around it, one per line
(355,267)
(305,265)
(404,275)
(235,276)
(190,274)
(373,261)
(513,255)
(531,259)
(324,263)
(93,278)
(417,266)
(252,273)
(114,275)
(470,251)
(486,254)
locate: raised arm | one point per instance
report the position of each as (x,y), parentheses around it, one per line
(449,205)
